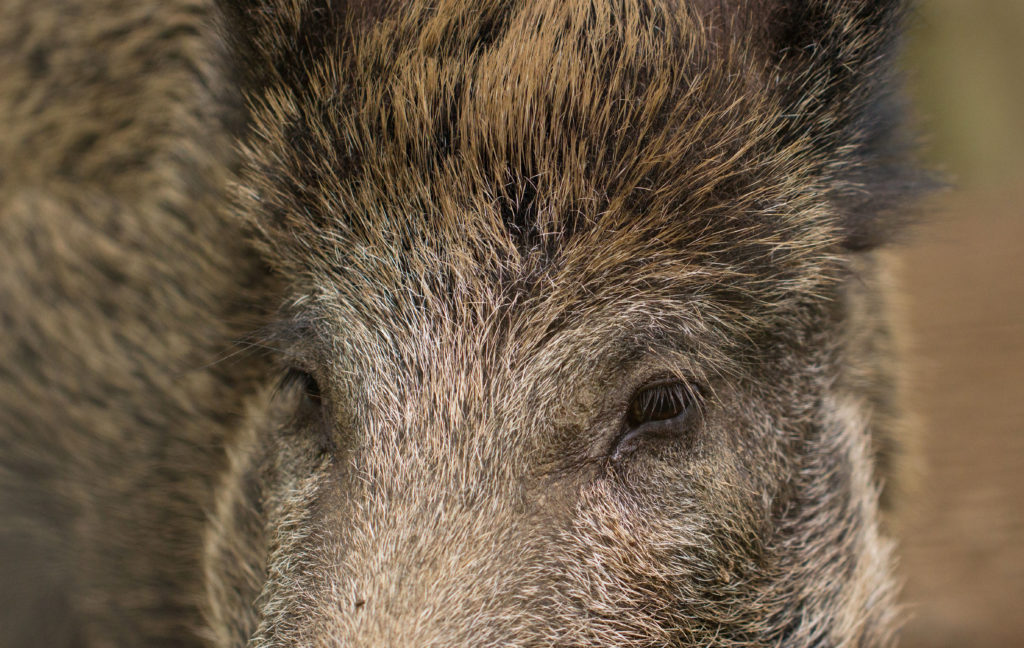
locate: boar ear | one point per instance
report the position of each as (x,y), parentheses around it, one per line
(277,42)
(836,62)
(832,65)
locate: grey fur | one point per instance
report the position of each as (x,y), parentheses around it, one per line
(321,322)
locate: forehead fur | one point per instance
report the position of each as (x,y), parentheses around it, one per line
(468,141)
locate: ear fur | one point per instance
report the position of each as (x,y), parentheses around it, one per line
(832,63)
(841,55)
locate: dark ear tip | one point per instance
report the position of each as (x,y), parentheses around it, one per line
(890,215)
(864,237)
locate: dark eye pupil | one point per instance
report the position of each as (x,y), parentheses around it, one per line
(658,403)
(308,384)
(312,389)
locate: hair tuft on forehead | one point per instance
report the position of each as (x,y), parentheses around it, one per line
(520,124)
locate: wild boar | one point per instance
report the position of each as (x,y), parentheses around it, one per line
(449,323)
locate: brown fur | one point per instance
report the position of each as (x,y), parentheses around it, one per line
(479,227)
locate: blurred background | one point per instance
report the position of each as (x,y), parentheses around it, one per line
(962,526)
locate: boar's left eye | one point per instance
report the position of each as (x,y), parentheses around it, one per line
(658,410)
(658,403)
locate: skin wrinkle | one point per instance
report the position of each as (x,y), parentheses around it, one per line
(323,320)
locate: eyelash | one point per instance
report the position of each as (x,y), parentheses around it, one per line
(657,410)
(659,402)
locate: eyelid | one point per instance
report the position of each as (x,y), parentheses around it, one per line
(651,428)
(296,377)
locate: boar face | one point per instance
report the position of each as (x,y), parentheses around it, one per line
(568,353)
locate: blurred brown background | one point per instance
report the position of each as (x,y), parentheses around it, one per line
(962,528)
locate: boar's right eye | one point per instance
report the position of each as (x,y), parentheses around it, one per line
(309,418)
(306,382)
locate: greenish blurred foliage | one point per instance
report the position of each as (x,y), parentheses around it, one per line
(961,533)
(965,62)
